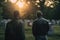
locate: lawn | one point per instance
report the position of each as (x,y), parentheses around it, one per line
(29,36)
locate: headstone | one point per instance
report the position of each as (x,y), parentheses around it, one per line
(51,30)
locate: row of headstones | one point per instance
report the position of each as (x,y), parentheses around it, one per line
(29,23)
(54,22)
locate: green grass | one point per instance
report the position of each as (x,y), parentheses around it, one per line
(55,36)
(29,36)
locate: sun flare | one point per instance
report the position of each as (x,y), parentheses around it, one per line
(13,1)
(20,4)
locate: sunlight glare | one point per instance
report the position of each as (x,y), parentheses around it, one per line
(13,1)
(49,3)
(28,2)
(5,1)
(52,6)
(20,4)
(37,1)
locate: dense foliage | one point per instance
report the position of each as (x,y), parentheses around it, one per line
(49,13)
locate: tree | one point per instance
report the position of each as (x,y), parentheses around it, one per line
(57,11)
(52,13)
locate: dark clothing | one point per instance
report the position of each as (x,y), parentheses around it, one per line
(40,27)
(14,30)
(41,37)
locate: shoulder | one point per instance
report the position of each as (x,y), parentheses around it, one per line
(10,22)
(9,25)
(44,19)
(20,21)
(35,20)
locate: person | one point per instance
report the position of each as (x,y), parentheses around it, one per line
(40,27)
(15,28)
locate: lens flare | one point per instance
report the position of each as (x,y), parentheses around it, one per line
(13,1)
(20,4)
(37,1)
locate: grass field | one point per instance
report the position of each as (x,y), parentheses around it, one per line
(29,36)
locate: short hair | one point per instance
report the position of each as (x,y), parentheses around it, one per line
(16,13)
(39,14)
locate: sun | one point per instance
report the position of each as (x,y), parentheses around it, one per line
(20,4)
(13,1)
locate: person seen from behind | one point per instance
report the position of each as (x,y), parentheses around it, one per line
(15,28)
(40,27)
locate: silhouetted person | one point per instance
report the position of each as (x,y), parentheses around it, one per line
(15,28)
(40,27)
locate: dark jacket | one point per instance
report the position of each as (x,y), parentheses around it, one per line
(14,31)
(40,27)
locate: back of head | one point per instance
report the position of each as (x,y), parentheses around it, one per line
(16,14)
(39,14)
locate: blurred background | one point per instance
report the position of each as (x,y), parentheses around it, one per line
(27,10)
